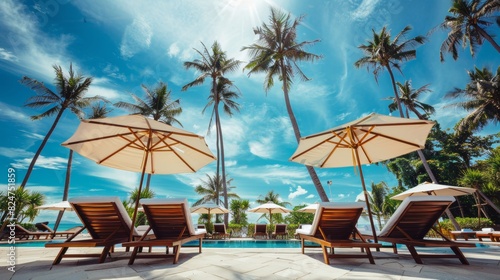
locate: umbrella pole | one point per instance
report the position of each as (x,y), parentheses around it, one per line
(58,220)
(366,199)
(140,188)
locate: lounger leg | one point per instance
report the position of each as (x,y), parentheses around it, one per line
(104,253)
(394,248)
(369,254)
(59,257)
(325,254)
(302,244)
(200,245)
(176,253)
(414,254)
(459,254)
(134,254)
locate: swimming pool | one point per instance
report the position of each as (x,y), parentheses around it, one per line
(207,244)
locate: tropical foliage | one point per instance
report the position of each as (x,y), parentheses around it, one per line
(276,54)
(70,95)
(131,202)
(25,203)
(467,25)
(271,196)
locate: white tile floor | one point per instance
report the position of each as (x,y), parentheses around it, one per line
(212,263)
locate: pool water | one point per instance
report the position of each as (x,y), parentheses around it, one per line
(206,244)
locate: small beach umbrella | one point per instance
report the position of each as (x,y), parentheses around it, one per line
(140,144)
(427,188)
(369,139)
(311,208)
(271,208)
(209,208)
(58,206)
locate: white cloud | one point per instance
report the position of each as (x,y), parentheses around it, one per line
(125,179)
(14,114)
(311,196)
(262,147)
(14,152)
(7,55)
(55,163)
(106,92)
(298,192)
(114,72)
(32,135)
(136,38)
(365,9)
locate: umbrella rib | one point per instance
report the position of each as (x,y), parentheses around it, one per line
(390,138)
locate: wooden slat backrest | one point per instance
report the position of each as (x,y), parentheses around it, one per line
(220,227)
(337,223)
(417,219)
(102,219)
(280,228)
(260,228)
(167,220)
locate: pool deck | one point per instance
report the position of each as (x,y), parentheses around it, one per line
(284,263)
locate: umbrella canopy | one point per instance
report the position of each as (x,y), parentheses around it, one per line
(311,208)
(59,206)
(434,189)
(269,208)
(209,208)
(140,144)
(366,140)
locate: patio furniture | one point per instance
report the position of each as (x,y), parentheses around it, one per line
(106,221)
(411,222)
(170,220)
(260,231)
(280,232)
(334,226)
(220,231)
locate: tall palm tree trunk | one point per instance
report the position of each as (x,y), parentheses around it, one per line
(223,169)
(148,181)
(217,139)
(65,192)
(42,145)
(419,152)
(293,120)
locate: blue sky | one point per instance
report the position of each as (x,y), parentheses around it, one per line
(124,44)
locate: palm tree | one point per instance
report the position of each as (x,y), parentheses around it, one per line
(238,207)
(70,95)
(132,201)
(25,205)
(384,54)
(409,97)
(273,197)
(468,24)
(276,54)
(211,190)
(482,96)
(377,200)
(98,111)
(214,65)
(157,105)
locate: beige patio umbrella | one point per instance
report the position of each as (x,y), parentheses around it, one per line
(209,208)
(58,206)
(427,188)
(311,208)
(271,208)
(140,144)
(370,139)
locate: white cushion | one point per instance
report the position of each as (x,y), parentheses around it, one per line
(487,229)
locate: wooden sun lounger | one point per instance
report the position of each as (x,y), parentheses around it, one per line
(23,233)
(413,219)
(334,226)
(494,236)
(64,233)
(170,220)
(260,231)
(220,231)
(280,232)
(106,221)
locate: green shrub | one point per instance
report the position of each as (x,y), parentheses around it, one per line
(470,223)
